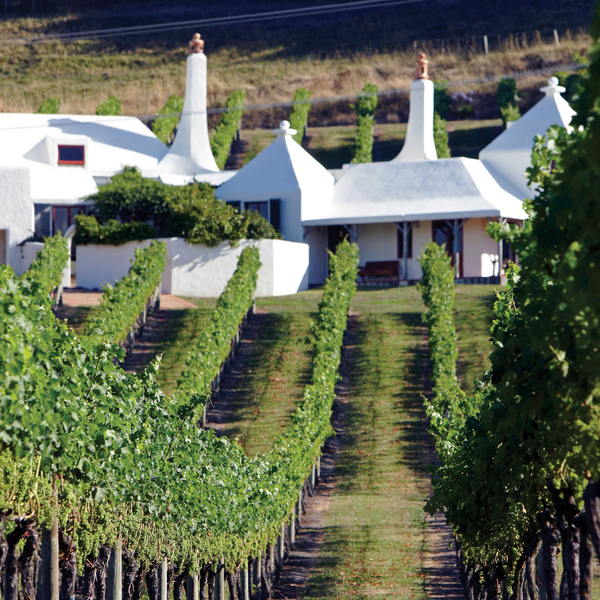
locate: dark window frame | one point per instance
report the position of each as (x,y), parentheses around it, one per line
(71,162)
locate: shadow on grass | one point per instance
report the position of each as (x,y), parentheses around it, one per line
(403,379)
(76,316)
(255,394)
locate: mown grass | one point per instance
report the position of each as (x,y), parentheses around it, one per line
(278,369)
(374,539)
(177,337)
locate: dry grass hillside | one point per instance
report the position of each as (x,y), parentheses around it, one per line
(331,55)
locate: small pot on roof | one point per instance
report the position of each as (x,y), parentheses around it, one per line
(196,44)
(422,65)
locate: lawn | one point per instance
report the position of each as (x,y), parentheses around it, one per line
(278,369)
(375,530)
(176,339)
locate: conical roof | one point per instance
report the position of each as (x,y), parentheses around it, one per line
(509,155)
(282,168)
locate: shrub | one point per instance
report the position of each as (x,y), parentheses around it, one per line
(299,112)
(365,116)
(48,265)
(441,98)
(506,93)
(111,106)
(130,201)
(89,231)
(50,106)
(167,118)
(122,304)
(227,128)
(510,113)
(462,102)
(440,137)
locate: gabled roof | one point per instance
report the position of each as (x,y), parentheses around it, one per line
(509,155)
(110,143)
(282,168)
(385,192)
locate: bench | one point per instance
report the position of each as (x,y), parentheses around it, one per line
(380,269)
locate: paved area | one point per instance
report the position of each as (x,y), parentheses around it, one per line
(81,297)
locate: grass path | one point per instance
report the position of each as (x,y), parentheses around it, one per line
(375,536)
(266,380)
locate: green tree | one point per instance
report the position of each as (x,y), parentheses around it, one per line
(225,131)
(126,205)
(440,137)
(167,118)
(441,99)
(365,118)
(111,106)
(299,112)
(508,100)
(50,106)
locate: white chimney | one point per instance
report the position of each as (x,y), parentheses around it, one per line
(190,151)
(419,144)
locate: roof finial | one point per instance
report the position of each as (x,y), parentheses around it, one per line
(422,67)
(285,129)
(196,44)
(553,88)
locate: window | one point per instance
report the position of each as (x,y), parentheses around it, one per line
(64,216)
(262,208)
(235,204)
(275,213)
(335,234)
(71,155)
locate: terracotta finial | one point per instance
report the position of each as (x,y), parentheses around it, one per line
(196,44)
(422,67)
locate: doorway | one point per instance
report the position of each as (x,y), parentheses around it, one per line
(443,233)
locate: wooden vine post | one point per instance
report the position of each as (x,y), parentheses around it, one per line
(193,589)
(164,589)
(281,547)
(54,566)
(114,575)
(220,582)
(245,583)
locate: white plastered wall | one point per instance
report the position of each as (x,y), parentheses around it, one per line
(17,213)
(198,271)
(479,249)
(378,242)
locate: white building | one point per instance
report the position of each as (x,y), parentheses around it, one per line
(49,164)
(284,183)
(509,155)
(391,209)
